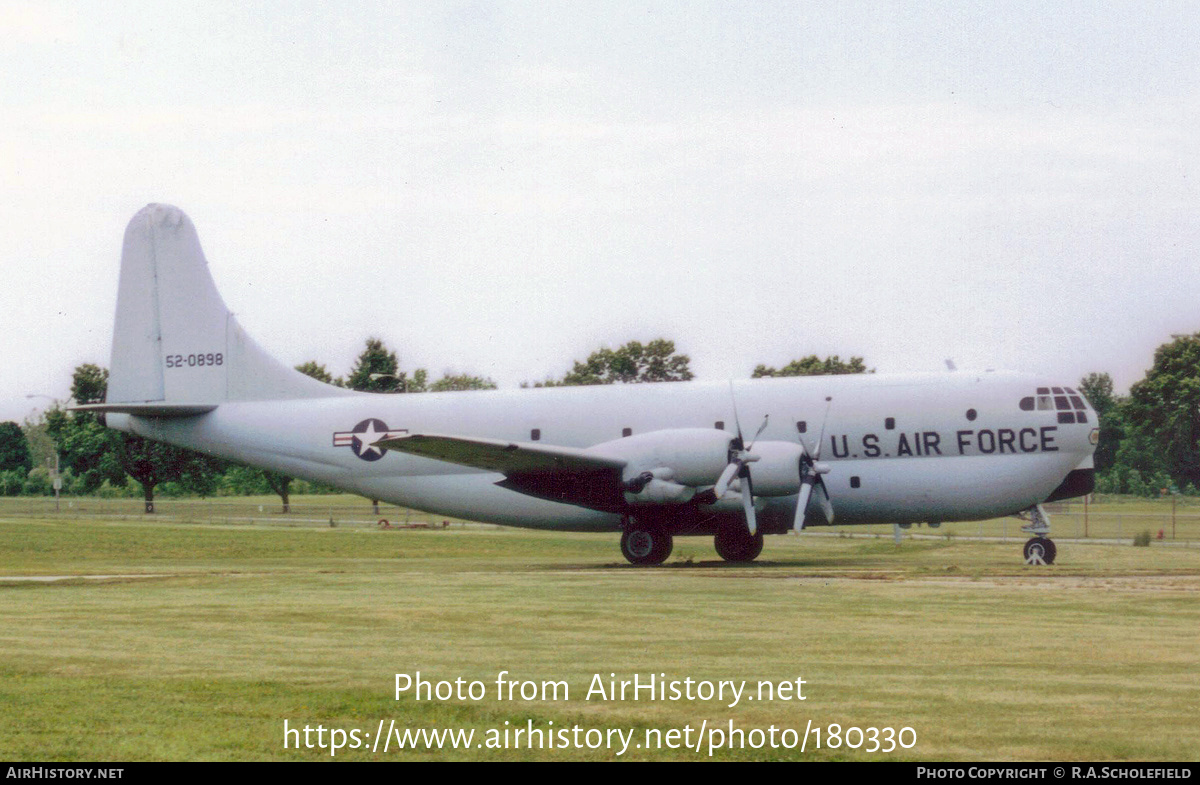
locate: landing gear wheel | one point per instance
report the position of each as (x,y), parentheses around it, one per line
(644,545)
(1042,548)
(734,543)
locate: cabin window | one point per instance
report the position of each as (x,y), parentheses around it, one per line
(1027,404)
(535,434)
(1081,417)
(1056,390)
(802,426)
(890,423)
(626,432)
(1066,417)
(1060,402)
(719,425)
(855,482)
(971,414)
(1043,391)
(1045,403)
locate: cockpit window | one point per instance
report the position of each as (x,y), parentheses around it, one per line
(1069,404)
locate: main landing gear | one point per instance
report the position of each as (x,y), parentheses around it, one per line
(734,543)
(1039,549)
(650,542)
(645,544)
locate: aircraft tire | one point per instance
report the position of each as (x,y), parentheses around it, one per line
(646,545)
(735,544)
(1043,546)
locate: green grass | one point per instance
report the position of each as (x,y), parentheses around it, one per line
(249,624)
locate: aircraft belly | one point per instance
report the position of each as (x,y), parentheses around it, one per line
(476,497)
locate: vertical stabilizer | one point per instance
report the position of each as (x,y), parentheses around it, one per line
(174,340)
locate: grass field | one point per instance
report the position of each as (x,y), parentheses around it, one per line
(259,619)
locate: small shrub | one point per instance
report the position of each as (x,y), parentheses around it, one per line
(1142,540)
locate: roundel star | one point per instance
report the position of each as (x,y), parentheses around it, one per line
(366,438)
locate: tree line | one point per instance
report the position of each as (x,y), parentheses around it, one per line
(1149,440)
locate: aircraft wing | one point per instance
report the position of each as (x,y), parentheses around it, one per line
(562,474)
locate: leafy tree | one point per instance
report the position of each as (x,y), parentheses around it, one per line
(89,384)
(317,371)
(462,381)
(376,361)
(1098,389)
(95,454)
(14,448)
(813,366)
(152,463)
(41,447)
(633,363)
(85,447)
(1163,412)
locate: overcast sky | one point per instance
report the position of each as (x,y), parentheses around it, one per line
(502,188)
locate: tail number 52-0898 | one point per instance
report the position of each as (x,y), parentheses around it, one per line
(194,360)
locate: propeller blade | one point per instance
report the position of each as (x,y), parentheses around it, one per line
(821,439)
(758,433)
(725,478)
(802,502)
(823,500)
(748,505)
(736,422)
(805,453)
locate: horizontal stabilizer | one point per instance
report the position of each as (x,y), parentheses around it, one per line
(148,409)
(501,456)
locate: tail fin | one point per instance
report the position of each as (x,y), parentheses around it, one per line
(174,341)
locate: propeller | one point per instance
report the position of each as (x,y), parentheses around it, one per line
(740,458)
(811,470)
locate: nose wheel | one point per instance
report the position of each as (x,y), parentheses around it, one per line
(1040,550)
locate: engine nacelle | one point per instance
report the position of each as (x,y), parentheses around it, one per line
(695,456)
(777,470)
(661,492)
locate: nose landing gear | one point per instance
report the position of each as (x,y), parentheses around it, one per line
(1039,549)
